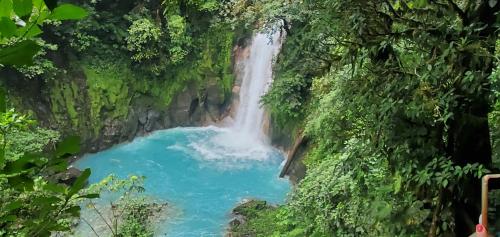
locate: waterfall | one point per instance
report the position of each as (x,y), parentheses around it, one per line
(256,78)
(244,136)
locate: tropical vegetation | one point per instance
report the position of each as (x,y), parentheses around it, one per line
(398,100)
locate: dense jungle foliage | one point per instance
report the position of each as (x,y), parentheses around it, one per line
(122,49)
(92,77)
(397,98)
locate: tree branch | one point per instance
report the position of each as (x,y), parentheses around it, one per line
(435,216)
(91,227)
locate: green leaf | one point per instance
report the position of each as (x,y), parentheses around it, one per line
(12,206)
(79,183)
(89,196)
(21,183)
(23,7)
(420,3)
(492,3)
(9,218)
(19,54)
(51,4)
(68,12)
(46,202)
(445,183)
(7,27)
(5,8)
(70,145)
(55,188)
(29,32)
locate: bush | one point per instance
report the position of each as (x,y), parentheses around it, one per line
(144,39)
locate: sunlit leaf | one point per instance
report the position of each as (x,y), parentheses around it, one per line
(29,32)
(5,8)
(68,12)
(23,7)
(7,27)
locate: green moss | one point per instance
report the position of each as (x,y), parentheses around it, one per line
(263,220)
(216,58)
(108,91)
(68,94)
(226,58)
(63,97)
(113,82)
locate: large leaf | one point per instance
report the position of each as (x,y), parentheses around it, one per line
(21,182)
(29,32)
(12,206)
(80,182)
(23,164)
(70,145)
(7,27)
(8,218)
(19,54)
(23,7)
(68,12)
(56,188)
(5,8)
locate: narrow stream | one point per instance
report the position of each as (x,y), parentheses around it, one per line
(204,172)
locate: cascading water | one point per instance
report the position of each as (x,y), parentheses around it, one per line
(203,172)
(257,76)
(244,138)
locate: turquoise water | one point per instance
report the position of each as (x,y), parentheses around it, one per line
(201,172)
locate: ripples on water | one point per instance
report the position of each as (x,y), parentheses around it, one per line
(201,172)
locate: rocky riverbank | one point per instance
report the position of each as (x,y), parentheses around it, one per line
(238,226)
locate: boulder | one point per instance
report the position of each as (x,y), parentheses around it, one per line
(152,120)
(69,176)
(180,109)
(237,220)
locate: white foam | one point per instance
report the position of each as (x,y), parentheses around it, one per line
(223,148)
(257,76)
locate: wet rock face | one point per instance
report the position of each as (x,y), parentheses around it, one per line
(236,221)
(152,121)
(183,107)
(76,104)
(188,108)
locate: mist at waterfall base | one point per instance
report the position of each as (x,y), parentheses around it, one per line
(204,172)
